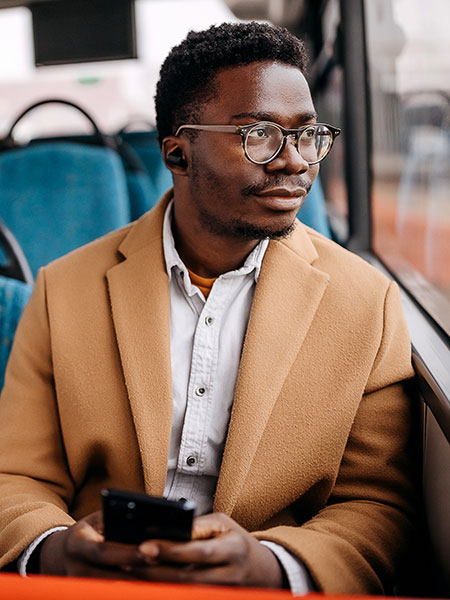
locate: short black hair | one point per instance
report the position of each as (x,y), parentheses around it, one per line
(186,76)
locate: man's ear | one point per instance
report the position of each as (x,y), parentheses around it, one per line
(174,156)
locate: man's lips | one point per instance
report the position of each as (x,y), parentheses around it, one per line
(282,193)
(282,198)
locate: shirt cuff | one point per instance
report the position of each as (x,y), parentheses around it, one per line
(26,554)
(299,579)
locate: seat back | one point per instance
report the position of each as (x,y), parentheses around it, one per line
(14,295)
(142,193)
(15,290)
(145,145)
(58,195)
(313,212)
(12,259)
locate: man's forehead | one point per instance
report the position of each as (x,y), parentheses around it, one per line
(261,74)
(261,90)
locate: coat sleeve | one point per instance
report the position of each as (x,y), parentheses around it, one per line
(354,544)
(35,485)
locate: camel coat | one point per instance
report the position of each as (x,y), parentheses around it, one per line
(316,454)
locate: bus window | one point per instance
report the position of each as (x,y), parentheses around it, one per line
(409,64)
(326,80)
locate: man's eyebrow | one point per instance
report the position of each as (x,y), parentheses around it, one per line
(261,116)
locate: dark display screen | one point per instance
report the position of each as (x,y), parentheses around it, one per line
(72,31)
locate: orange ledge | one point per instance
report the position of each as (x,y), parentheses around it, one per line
(39,587)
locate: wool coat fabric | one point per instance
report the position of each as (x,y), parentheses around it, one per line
(316,456)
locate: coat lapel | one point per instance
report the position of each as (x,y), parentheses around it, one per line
(139,295)
(287,296)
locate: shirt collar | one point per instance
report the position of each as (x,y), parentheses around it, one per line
(252,262)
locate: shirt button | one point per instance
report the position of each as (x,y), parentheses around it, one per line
(191,460)
(200,391)
(209,320)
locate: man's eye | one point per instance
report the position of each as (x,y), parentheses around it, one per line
(310,133)
(260,133)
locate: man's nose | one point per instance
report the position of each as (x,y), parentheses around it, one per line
(289,160)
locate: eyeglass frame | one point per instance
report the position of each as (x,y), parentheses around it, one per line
(243,131)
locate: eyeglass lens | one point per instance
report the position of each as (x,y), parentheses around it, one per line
(264,140)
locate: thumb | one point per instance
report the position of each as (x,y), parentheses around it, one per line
(93,526)
(211,525)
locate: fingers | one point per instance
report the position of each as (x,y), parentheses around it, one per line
(222,552)
(86,544)
(222,575)
(225,549)
(212,528)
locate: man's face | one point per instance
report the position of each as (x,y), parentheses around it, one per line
(230,196)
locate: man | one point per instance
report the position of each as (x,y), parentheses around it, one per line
(188,355)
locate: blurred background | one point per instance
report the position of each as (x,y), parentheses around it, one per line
(406,62)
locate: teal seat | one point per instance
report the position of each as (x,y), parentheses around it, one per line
(145,145)
(142,191)
(313,212)
(14,296)
(57,196)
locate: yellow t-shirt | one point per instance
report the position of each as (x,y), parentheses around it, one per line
(204,284)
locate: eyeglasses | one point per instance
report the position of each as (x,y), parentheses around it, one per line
(264,141)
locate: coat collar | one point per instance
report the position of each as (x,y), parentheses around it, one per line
(140,303)
(287,296)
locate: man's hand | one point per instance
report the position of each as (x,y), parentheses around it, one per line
(220,553)
(81,551)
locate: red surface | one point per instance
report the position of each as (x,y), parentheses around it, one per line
(38,587)
(15,587)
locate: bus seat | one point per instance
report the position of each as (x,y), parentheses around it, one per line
(142,192)
(56,196)
(313,212)
(146,146)
(14,296)
(12,259)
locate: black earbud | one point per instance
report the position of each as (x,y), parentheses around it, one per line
(175,158)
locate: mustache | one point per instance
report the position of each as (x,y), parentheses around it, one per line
(275,181)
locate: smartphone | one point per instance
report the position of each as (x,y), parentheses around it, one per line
(132,518)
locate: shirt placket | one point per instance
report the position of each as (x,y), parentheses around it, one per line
(193,447)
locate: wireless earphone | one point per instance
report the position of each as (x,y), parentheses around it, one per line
(175,158)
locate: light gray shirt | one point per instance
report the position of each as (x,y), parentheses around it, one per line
(206,340)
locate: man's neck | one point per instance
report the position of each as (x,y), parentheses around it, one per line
(210,255)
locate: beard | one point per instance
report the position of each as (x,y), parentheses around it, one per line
(239,228)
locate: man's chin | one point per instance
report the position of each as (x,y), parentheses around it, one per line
(253,232)
(246,231)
